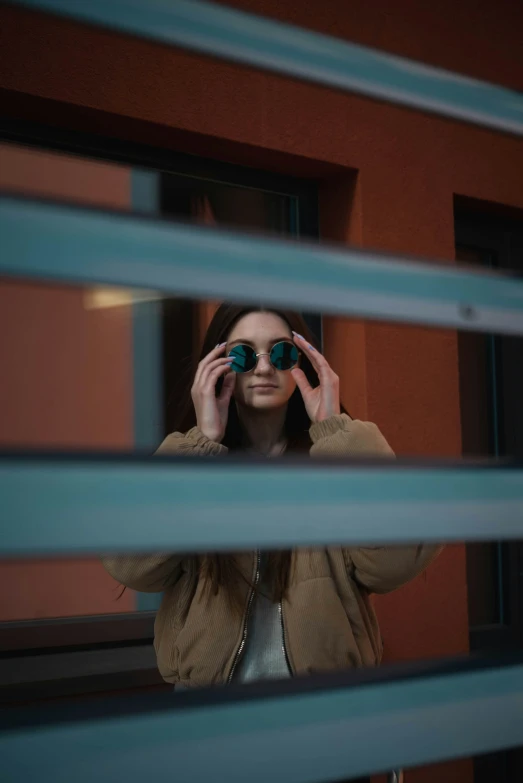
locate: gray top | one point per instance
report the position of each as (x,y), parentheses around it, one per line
(263,657)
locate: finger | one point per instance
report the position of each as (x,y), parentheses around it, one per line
(317,359)
(211,356)
(214,354)
(201,379)
(214,375)
(301,381)
(227,388)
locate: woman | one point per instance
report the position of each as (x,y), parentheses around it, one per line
(250,616)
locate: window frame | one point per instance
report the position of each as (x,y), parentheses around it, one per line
(120,634)
(161,159)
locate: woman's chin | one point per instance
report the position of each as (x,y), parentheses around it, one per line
(265,401)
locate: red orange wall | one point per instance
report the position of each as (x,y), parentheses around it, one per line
(387,180)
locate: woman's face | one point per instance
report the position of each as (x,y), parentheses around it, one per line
(264,388)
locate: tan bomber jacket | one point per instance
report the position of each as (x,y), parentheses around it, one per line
(327,615)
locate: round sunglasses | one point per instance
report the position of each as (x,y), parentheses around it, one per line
(282,356)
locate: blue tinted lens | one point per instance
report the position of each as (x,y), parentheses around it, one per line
(284,356)
(244,358)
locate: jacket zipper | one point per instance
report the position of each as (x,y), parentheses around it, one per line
(284,646)
(240,649)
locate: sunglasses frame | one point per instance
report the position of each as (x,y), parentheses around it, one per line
(257,356)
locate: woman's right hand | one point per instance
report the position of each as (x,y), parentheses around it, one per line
(211,410)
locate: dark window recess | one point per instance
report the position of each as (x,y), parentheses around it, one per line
(491,394)
(480,391)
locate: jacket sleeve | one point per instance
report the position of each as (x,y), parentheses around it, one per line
(145,573)
(383,569)
(192,443)
(154,573)
(341,436)
(377,569)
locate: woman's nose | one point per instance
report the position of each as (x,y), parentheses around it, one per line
(264,366)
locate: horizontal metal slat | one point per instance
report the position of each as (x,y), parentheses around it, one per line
(56,506)
(61,242)
(314,734)
(252,40)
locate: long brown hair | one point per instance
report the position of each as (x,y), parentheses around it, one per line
(220,571)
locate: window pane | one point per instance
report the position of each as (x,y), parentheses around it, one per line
(483,573)
(67,355)
(100,367)
(477,378)
(217,203)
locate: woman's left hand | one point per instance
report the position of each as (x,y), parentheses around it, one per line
(323,401)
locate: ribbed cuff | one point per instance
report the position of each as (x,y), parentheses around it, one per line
(204,444)
(327,427)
